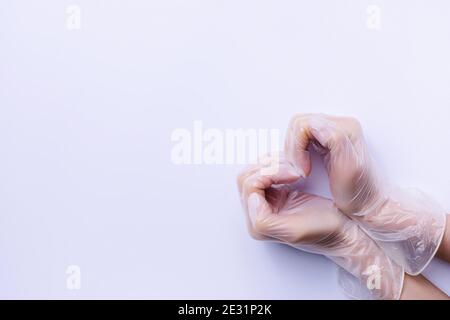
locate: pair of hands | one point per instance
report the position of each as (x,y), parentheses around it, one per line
(277,210)
(402,229)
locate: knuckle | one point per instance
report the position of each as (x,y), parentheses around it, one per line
(240,178)
(247,182)
(297,119)
(255,235)
(260,226)
(354,125)
(338,136)
(243,176)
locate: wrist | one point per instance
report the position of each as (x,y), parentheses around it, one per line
(408,224)
(370,273)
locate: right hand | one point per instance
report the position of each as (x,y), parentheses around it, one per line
(341,143)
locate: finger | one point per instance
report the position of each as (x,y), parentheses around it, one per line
(349,125)
(268,165)
(258,182)
(329,131)
(244,174)
(253,193)
(297,141)
(254,207)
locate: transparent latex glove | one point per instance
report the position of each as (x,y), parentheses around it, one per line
(277,211)
(407,223)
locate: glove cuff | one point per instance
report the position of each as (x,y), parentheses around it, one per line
(367,272)
(408,225)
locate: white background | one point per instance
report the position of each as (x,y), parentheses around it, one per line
(86,118)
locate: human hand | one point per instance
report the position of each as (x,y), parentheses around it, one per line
(409,225)
(276,210)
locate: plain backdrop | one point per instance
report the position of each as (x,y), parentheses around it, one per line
(86,118)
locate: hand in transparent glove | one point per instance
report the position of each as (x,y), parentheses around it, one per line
(277,211)
(407,223)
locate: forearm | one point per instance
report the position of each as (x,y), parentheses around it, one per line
(419,288)
(444,249)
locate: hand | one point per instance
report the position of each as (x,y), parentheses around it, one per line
(341,143)
(409,225)
(276,210)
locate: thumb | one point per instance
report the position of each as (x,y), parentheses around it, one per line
(259,181)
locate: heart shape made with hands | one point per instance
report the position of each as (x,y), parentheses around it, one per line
(277,209)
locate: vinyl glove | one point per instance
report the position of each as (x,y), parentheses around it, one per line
(277,211)
(407,223)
